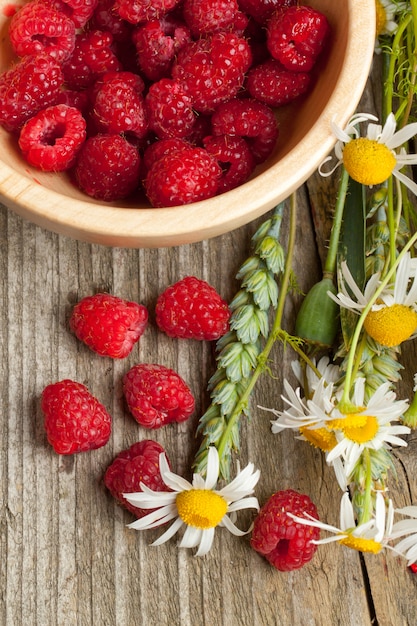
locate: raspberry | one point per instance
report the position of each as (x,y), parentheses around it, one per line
(79,11)
(136,11)
(51,139)
(169,109)
(272,84)
(109,325)
(138,464)
(105,18)
(235,158)
(29,86)
(156,43)
(192,309)
(182,176)
(413,568)
(37,28)
(250,119)
(157,395)
(296,36)
(285,543)
(208,16)
(91,57)
(261,10)
(107,167)
(75,421)
(212,69)
(118,106)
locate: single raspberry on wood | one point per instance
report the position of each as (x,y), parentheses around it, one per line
(133,467)
(109,325)
(75,421)
(29,86)
(285,543)
(192,309)
(156,395)
(52,138)
(37,27)
(107,167)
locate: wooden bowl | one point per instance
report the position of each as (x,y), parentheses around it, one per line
(52,202)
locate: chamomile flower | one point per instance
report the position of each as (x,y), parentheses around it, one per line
(308,378)
(386,12)
(371,160)
(368,426)
(406,528)
(369,536)
(393,318)
(198,506)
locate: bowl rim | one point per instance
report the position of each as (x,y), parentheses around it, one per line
(139,228)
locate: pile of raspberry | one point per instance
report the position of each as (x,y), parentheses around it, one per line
(169,99)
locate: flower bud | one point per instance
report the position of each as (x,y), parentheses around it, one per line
(317,319)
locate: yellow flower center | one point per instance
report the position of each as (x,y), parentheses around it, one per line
(381,17)
(350,420)
(362,434)
(201,508)
(320,438)
(367,161)
(361,544)
(391,325)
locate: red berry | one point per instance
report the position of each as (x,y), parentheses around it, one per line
(138,464)
(37,28)
(212,69)
(52,138)
(157,42)
(182,176)
(413,568)
(109,325)
(261,10)
(136,11)
(208,16)
(272,84)
(118,105)
(159,149)
(91,57)
(107,167)
(79,11)
(157,395)
(235,158)
(75,421)
(192,309)
(296,36)
(250,119)
(169,109)
(285,543)
(29,86)
(105,18)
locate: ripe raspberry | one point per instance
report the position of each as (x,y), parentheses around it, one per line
(107,167)
(91,57)
(169,109)
(182,177)
(37,28)
(285,543)
(75,421)
(109,325)
(192,309)
(261,10)
(29,86)
(105,18)
(159,149)
(138,464)
(296,36)
(235,158)
(52,138)
(157,395)
(79,11)
(204,17)
(157,42)
(118,106)
(136,11)
(212,69)
(272,84)
(250,119)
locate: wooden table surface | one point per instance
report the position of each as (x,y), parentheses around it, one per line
(67,557)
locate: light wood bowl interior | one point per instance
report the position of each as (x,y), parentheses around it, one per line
(51,201)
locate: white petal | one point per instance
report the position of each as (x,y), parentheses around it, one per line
(169,533)
(402,136)
(191,538)
(206,542)
(212,474)
(406,181)
(244,503)
(154,519)
(227,523)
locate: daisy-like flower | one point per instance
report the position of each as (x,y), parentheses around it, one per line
(386,13)
(372,159)
(198,505)
(406,528)
(370,536)
(393,318)
(307,377)
(369,426)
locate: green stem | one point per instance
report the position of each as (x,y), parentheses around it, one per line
(263,356)
(330,264)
